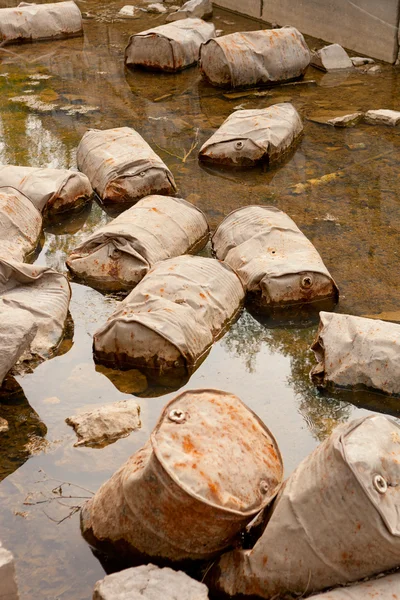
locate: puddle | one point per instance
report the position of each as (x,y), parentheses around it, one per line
(352,217)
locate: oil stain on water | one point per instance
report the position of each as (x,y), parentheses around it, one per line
(51,93)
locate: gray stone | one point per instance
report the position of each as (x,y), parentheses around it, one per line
(337,120)
(128,11)
(200,9)
(382,117)
(359,61)
(149,582)
(156,8)
(331,58)
(8,583)
(107,424)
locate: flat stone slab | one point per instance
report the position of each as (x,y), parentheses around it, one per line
(331,58)
(200,9)
(336,119)
(8,583)
(382,117)
(107,424)
(149,582)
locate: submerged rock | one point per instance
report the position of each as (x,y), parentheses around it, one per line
(331,58)
(105,425)
(149,582)
(382,117)
(337,120)
(3,425)
(8,583)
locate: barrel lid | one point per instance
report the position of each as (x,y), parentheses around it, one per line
(372,450)
(216,449)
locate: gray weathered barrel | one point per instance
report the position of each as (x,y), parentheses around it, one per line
(119,254)
(255,57)
(250,137)
(335,521)
(17,330)
(209,467)
(121,166)
(172,317)
(383,588)
(276,263)
(357,352)
(52,191)
(20,224)
(170,47)
(32,22)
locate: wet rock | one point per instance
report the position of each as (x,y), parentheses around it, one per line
(149,583)
(156,8)
(105,425)
(359,61)
(3,424)
(201,9)
(382,117)
(374,69)
(331,58)
(337,120)
(8,582)
(128,11)
(209,467)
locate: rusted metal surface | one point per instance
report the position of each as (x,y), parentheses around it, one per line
(118,255)
(20,224)
(208,468)
(32,22)
(170,47)
(249,137)
(255,57)
(276,263)
(121,166)
(43,293)
(52,191)
(384,588)
(335,521)
(172,317)
(357,352)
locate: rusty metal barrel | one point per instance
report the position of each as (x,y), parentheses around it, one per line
(276,263)
(20,224)
(122,167)
(170,47)
(209,467)
(255,57)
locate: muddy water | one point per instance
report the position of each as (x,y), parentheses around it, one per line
(353,220)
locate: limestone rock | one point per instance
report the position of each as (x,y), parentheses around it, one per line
(8,584)
(359,61)
(149,582)
(201,9)
(156,8)
(382,117)
(331,58)
(105,425)
(128,11)
(336,119)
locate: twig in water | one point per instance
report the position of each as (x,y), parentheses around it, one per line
(186,154)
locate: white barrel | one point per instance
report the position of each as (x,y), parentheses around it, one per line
(52,191)
(32,22)
(357,352)
(119,254)
(173,315)
(383,588)
(20,224)
(276,263)
(255,57)
(170,47)
(209,467)
(17,331)
(335,521)
(251,137)
(121,166)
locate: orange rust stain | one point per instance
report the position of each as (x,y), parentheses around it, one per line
(202,295)
(265,560)
(188,446)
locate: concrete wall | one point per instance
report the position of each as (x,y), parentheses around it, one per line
(369,27)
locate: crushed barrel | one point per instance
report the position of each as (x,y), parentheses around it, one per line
(121,166)
(383,588)
(251,137)
(209,467)
(171,319)
(276,263)
(52,191)
(29,22)
(357,352)
(118,255)
(255,57)
(335,520)
(20,224)
(170,47)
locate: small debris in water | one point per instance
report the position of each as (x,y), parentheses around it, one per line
(3,425)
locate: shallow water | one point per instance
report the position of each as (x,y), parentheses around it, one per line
(352,220)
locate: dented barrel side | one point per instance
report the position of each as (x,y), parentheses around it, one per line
(255,57)
(118,255)
(20,223)
(121,166)
(170,47)
(209,467)
(276,263)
